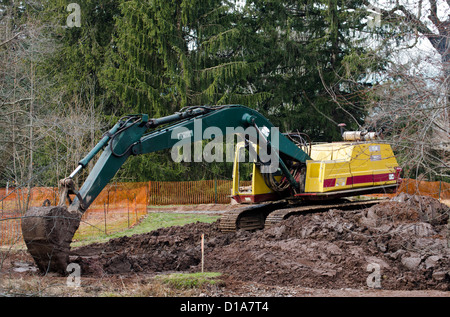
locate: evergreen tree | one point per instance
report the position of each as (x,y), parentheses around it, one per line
(171,54)
(82,49)
(305,47)
(284,58)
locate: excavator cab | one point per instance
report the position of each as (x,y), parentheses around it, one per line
(253,188)
(352,167)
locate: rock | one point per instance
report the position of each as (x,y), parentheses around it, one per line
(376,260)
(439,275)
(371,219)
(411,263)
(431,261)
(333,249)
(382,247)
(308,231)
(385,228)
(395,255)
(421,229)
(402,197)
(279,231)
(427,244)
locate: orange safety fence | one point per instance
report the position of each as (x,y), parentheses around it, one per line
(13,204)
(122,205)
(10,230)
(118,206)
(438,190)
(16,199)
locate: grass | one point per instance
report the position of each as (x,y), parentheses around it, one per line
(149,223)
(190,280)
(166,285)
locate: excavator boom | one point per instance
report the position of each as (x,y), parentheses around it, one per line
(130,138)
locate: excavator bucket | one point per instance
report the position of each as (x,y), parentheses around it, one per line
(48,232)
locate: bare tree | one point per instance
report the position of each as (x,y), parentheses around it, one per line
(411,110)
(427,18)
(411,100)
(43,131)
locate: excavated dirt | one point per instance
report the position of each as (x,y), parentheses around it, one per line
(401,244)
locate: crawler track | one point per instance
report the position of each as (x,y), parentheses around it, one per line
(266,215)
(248,218)
(279,215)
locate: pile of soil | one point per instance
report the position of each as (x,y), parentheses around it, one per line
(403,242)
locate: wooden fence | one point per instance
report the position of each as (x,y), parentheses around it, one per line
(189,193)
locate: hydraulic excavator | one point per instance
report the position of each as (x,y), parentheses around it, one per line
(289,174)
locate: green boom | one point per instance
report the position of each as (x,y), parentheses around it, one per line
(130,136)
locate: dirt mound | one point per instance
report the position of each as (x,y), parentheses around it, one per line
(167,249)
(401,243)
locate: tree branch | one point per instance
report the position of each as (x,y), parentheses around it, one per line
(411,19)
(7,41)
(10,103)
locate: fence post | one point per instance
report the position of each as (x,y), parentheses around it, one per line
(203,250)
(128,211)
(107,198)
(104,213)
(147,195)
(215,190)
(135,209)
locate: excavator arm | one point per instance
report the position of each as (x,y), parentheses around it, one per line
(48,231)
(128,137)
